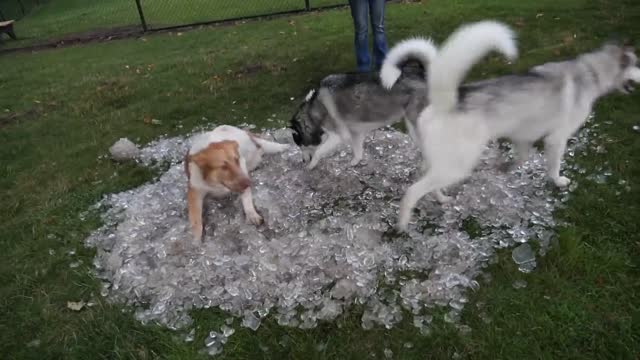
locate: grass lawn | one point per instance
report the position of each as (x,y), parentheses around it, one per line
(55,19)
(60,110)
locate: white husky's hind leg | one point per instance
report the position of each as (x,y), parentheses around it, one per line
(434,180)
(450,159)
(440,196)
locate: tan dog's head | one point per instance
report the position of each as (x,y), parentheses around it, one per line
(219,164)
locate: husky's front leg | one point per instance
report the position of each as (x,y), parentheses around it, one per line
(413,134)
(357,143)
(554,151)
(307,153)
(331,142)
(414,193)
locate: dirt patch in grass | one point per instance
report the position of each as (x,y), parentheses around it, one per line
(256,68)
(80,38)
(10,117)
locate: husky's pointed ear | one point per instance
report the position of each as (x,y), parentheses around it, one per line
(310,95)
(628,57)
(620,42)
(628,46)
(613,39)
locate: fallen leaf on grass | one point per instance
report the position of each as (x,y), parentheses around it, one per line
(33,343)
(151,121)
(75,306)
(568,39)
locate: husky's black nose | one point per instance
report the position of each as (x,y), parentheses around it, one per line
(627,87)
(296,131)
(296,137)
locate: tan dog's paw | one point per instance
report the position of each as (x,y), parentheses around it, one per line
(255,219)
(197,234)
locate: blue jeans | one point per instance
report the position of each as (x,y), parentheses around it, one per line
(359,11)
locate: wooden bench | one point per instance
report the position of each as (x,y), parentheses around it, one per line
(7,27)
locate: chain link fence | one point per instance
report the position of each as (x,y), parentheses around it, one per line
(161,14)
(40,21)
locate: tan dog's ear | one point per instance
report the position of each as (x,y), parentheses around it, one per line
(232,149)
(236,149)
(215,155)
(201,160)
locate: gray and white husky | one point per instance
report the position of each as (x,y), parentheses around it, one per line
(346,107)
(550,102)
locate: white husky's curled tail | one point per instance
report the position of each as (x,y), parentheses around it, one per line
(460,52)
(421,49)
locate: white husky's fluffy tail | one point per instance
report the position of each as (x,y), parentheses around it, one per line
(270,147)
(460,52)
(422,50)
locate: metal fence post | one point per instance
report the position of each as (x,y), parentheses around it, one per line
(306,5)
(21,7)
(141,13)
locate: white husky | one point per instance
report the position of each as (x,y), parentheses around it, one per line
(550,102)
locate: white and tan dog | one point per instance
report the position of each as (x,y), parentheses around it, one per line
(218,163)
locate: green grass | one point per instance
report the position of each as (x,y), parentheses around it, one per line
(60,110)
(57,18)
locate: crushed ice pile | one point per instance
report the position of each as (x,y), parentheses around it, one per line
(328,241)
